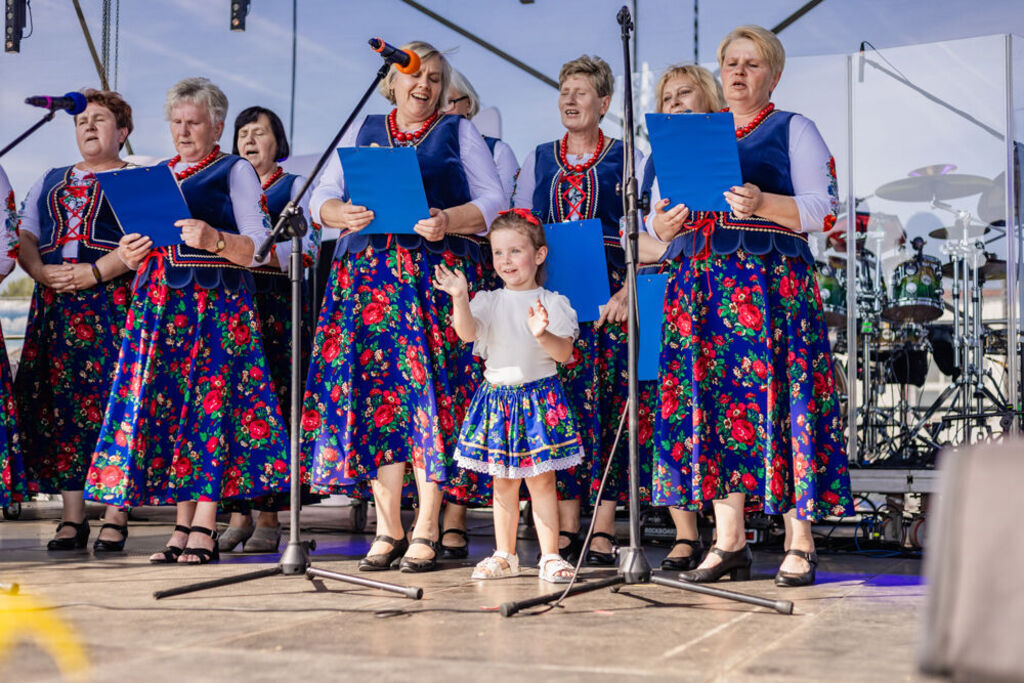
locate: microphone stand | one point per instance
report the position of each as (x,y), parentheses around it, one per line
(38,124)
(633,567)
(295,558)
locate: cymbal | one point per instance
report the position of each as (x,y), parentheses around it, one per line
(956,232)
(992,204)
(933,182)
(993,269)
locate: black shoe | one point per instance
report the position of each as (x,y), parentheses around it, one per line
(101,546)
(76,542)
(171,553)
(687,562)
(205,556)
(415,564)
(382,561)
(595,557)
(455,552)
(571,552)
(735,563)
(791,579)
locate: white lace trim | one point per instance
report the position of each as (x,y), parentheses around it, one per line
(503,472)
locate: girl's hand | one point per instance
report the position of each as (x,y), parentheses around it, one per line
(198,234)
(133,248)
(537,321)
(744,201)
(56,277)
(667,224)
(432,229)
(451,281)
(615,311)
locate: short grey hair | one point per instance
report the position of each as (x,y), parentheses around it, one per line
(461,85)
(199,91)
(425,51)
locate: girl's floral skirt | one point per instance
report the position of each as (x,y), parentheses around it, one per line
(67,366)
(519,431)
(748,399)
(12,469)
(192,412)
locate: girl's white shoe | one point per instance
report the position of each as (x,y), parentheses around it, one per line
(493,568)
(554,569)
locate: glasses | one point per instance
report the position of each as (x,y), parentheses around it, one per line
(458,99)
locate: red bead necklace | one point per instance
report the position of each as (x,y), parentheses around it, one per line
(192,170)
(403,137)
(757,120)
(563,150)
(273,177)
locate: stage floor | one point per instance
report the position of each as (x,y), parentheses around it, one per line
(858,623)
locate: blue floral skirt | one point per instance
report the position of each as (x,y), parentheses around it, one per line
(192,412)
(519,431)
(748,400)
(12,469)
(67,366)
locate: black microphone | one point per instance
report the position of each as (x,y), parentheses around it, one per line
(860,65)
(73,102)
(406,61)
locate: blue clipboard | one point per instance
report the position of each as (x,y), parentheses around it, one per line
(650,294)
(146,200)
(388,181)
(577,267)
(696,158)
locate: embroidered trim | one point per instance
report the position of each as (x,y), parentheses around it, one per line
(90,211)
(503,472)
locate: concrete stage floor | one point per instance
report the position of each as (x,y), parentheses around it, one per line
(858,623)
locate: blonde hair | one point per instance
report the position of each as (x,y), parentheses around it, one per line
(425,51)
(200,91)
(595,69)
(767,44)
(710,88)
(523,222)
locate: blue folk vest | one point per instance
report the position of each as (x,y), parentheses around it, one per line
(100,230)
(269,278)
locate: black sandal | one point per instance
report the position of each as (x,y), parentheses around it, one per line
(383,561)
(171,553)
(76,542)
(455,552)
(102,546)
(687,562)
(571,552)
(416,564)
(205,556)
(599,558)
(794,579)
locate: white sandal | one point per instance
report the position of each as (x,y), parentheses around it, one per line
(492,567)
(551,564)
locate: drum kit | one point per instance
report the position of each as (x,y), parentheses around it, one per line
(898,322)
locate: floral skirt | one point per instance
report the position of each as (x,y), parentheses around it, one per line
(748,400)
(12,469)
(389,379)
(519,431)
(192,412)
(67,366)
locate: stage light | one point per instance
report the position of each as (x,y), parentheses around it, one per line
(14,22)
(239,10)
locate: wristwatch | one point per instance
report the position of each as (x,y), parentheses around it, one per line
(220,243)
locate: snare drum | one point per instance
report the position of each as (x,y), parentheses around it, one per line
(832,286)
(916,291)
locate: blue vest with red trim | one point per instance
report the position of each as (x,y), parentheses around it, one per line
(99,229)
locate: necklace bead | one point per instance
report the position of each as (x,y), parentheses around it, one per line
(563,152)
(757,120)
(192,170)
(403,137)
(273,177)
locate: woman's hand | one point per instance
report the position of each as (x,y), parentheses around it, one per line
(82,277)
(432,229)
(451,281)
(198,234)
(345,215)
(537,320)
(615,311)
(667,224)
(133,248)
(56,277)
(744,201)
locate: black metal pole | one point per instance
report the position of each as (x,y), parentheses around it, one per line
(14,143)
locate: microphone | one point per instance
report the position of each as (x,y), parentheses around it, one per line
(860,65)
(406,61)
(73,102)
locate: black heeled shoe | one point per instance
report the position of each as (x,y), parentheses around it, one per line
(735,563)
(415,564)
(687,562)
(76,542)
(171,553)
(794,579)
(205,556)
(382,561)
(102,546)
(571,552)
(596,557)
(455,552)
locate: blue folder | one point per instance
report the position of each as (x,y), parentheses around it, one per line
(650,294)
(146,200)
(577,267)
(695,157)
(388,181)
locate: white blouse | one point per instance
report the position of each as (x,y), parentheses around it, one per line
(512,355)
(508,167)
(8,225)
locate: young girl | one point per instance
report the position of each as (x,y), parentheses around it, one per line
(518,425)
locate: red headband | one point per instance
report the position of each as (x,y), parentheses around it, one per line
(525,214)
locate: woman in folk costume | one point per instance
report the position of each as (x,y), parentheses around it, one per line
(12,469)
(68,245)
(390,381)
(192,417)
